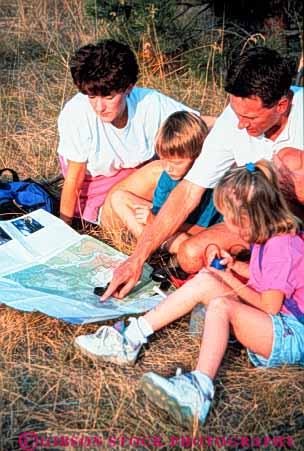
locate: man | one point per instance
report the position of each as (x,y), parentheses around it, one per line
(263,120)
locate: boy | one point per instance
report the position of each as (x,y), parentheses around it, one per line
(178,143)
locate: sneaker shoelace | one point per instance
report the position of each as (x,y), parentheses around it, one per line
(102,332)
(119,326)
(204,395)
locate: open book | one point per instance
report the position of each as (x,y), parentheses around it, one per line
(47,266)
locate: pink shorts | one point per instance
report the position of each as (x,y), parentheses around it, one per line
(94,191)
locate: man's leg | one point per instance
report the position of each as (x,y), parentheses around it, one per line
(192,252)
(142,183)
(173,243)
(290,163)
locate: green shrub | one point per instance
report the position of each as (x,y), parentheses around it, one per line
(132,20)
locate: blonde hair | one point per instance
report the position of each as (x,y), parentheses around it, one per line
(181,135)
(255,194)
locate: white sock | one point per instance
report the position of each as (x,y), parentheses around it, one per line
(138,331)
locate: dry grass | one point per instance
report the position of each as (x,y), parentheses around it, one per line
(50,388)
(46,385)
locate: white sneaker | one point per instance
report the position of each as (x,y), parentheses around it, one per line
(182,396)
(109,345)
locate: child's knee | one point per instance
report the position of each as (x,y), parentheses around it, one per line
(220,304)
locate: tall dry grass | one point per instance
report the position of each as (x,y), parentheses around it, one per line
(46,385)
(37,39)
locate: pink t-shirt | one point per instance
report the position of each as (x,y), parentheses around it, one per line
(279,265)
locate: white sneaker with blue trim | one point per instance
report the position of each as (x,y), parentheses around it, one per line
(182,396)
(110,345)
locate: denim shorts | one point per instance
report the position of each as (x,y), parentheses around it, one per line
(288,343)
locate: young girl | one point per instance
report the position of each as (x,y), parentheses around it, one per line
(266,315)
(178,143)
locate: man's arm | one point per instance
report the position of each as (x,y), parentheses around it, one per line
(182,200)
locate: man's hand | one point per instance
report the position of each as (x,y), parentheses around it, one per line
(182,200)
(125,277)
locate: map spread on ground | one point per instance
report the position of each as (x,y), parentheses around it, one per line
(61,285)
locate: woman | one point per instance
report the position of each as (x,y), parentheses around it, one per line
(107,130)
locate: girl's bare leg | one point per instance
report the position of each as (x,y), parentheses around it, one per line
(252,327)
(201,289)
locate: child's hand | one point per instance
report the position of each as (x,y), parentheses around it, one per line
(226,259)
(224,256)
(142,213)
(211,252)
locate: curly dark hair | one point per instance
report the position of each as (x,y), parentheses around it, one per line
(261,72)
(106,67)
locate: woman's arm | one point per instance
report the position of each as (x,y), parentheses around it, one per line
(71,189)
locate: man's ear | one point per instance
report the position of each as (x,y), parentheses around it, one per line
(283,105)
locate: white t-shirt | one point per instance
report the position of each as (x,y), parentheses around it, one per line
(226,144)
(105,148)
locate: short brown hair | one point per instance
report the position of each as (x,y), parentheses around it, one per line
(256,194)
(109,66)
(181,135)
(260,72)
